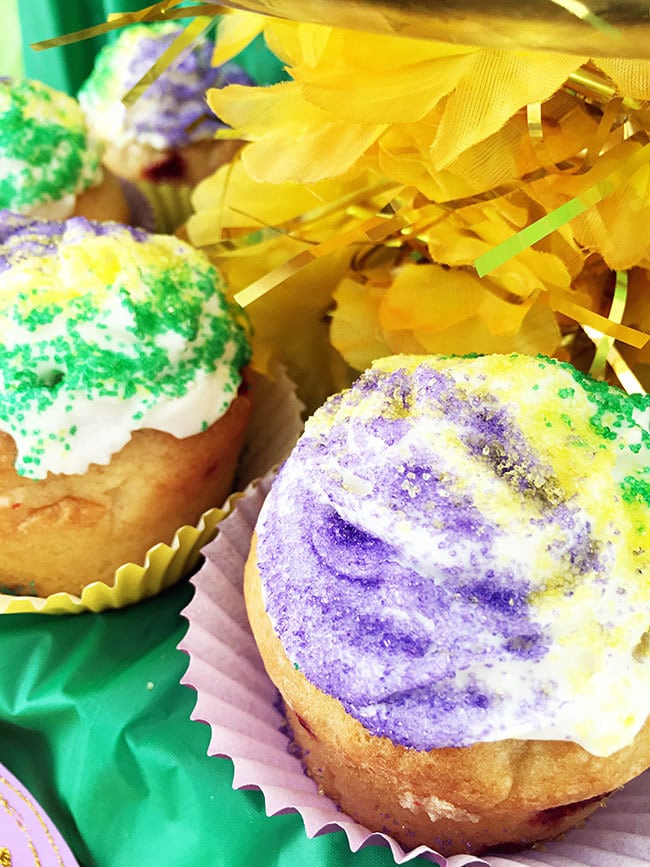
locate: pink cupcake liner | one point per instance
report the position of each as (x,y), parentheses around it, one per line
(237,700)
(27,834)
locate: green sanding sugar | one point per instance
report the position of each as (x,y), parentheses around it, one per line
(44,147)
(636,489)
(613,409)
(159,302)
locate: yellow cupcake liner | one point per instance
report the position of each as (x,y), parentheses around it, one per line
(171,204)
(164,565)
(273,430)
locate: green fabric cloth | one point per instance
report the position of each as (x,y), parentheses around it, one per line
(66,67)
(94,721)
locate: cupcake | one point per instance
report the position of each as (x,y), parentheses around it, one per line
(448,584)
(122,407)
(49,165)
(165,141)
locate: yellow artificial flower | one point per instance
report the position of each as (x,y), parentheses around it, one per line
(609,227)
(466,146)
(259,227)
(440,304)
(344,98)
(236,31)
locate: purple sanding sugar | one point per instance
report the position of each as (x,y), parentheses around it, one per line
(22,237)
(395,644)
(174,106)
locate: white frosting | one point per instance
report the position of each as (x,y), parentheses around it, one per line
(106,335)
(522,495)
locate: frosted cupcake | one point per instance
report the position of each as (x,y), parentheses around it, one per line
(165,141)
(49,165)
(122,403)
(448,584)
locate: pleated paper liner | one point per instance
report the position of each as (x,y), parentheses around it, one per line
(273,430)
(238,701)
(27,834)
(170,203)
(140,208)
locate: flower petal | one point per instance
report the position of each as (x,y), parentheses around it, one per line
(498,84)
(237,29)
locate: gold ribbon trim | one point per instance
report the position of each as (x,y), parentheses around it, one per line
(37,814)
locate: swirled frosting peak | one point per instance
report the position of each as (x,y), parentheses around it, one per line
(105,330)
(172,112)
(46,155)
(457,549)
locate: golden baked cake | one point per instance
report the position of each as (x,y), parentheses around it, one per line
(449,586)
(122,403)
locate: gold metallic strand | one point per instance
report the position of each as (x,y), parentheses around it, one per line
(561,301)
(86,33)
(618,364)
(507,188)
(10,811)
(115,22)
(604,342)
(173,14)
(308,219)
(196,123)
(549,223)
(612,108)
(178,46)
(536,133)
(375,230)
(37,813)
(582,11)
(610,114)
(590,84)
(534,119)
(598,88)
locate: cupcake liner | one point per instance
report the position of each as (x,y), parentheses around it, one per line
(171,204)
(274,427)
(27,834)
(237,700)
(140,208)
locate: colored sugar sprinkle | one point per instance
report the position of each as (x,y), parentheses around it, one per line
(460,557)
(172,112)
(44,149)
(636,489)
(176,342)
